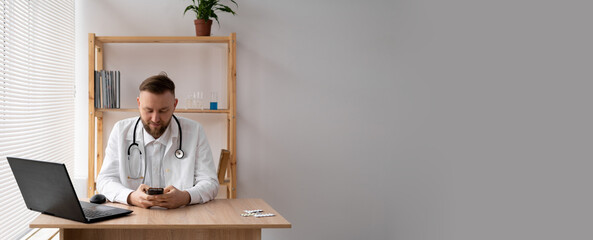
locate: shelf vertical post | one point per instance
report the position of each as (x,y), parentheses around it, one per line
(100,49)
(232,139)
(99,150)
(91,148)
(99,52)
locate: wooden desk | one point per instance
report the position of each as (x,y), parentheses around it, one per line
(218,219)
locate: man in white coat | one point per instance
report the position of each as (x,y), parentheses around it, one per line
(164,152)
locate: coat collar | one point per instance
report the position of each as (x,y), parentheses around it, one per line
(173,131)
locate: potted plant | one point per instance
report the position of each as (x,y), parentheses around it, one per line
(205,11)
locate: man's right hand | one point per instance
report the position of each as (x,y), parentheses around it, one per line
(140,198)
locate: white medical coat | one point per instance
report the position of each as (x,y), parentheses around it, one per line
(195,172)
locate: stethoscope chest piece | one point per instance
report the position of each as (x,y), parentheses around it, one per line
(179,153)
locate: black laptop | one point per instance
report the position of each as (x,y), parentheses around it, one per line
(46,188)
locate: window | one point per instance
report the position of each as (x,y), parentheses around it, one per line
(36,95)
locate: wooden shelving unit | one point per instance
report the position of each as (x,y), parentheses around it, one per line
(96,45)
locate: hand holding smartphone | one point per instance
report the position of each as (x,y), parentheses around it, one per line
(154,191)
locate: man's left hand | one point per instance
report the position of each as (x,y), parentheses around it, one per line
(171,198)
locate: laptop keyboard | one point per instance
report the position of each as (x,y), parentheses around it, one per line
(90,213)
(94,211)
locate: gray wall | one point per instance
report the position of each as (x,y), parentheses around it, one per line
(400,119)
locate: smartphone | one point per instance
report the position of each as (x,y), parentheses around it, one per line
(154,191)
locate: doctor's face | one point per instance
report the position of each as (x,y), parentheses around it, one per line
(156,111)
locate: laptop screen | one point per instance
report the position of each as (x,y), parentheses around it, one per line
(46,187)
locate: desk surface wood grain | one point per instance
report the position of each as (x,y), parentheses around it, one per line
(216,214)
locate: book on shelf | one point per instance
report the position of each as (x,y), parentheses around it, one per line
(107,89)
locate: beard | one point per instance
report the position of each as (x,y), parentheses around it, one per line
(155,132)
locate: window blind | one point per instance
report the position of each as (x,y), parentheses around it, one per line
(36,95)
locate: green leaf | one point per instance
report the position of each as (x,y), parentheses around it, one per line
(226,9)
(190,7)
(216,18)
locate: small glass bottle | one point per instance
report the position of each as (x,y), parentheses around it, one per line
(199,100)
(213,101)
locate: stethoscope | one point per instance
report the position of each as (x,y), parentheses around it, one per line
(178,153)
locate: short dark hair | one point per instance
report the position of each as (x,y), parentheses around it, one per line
(158,84)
